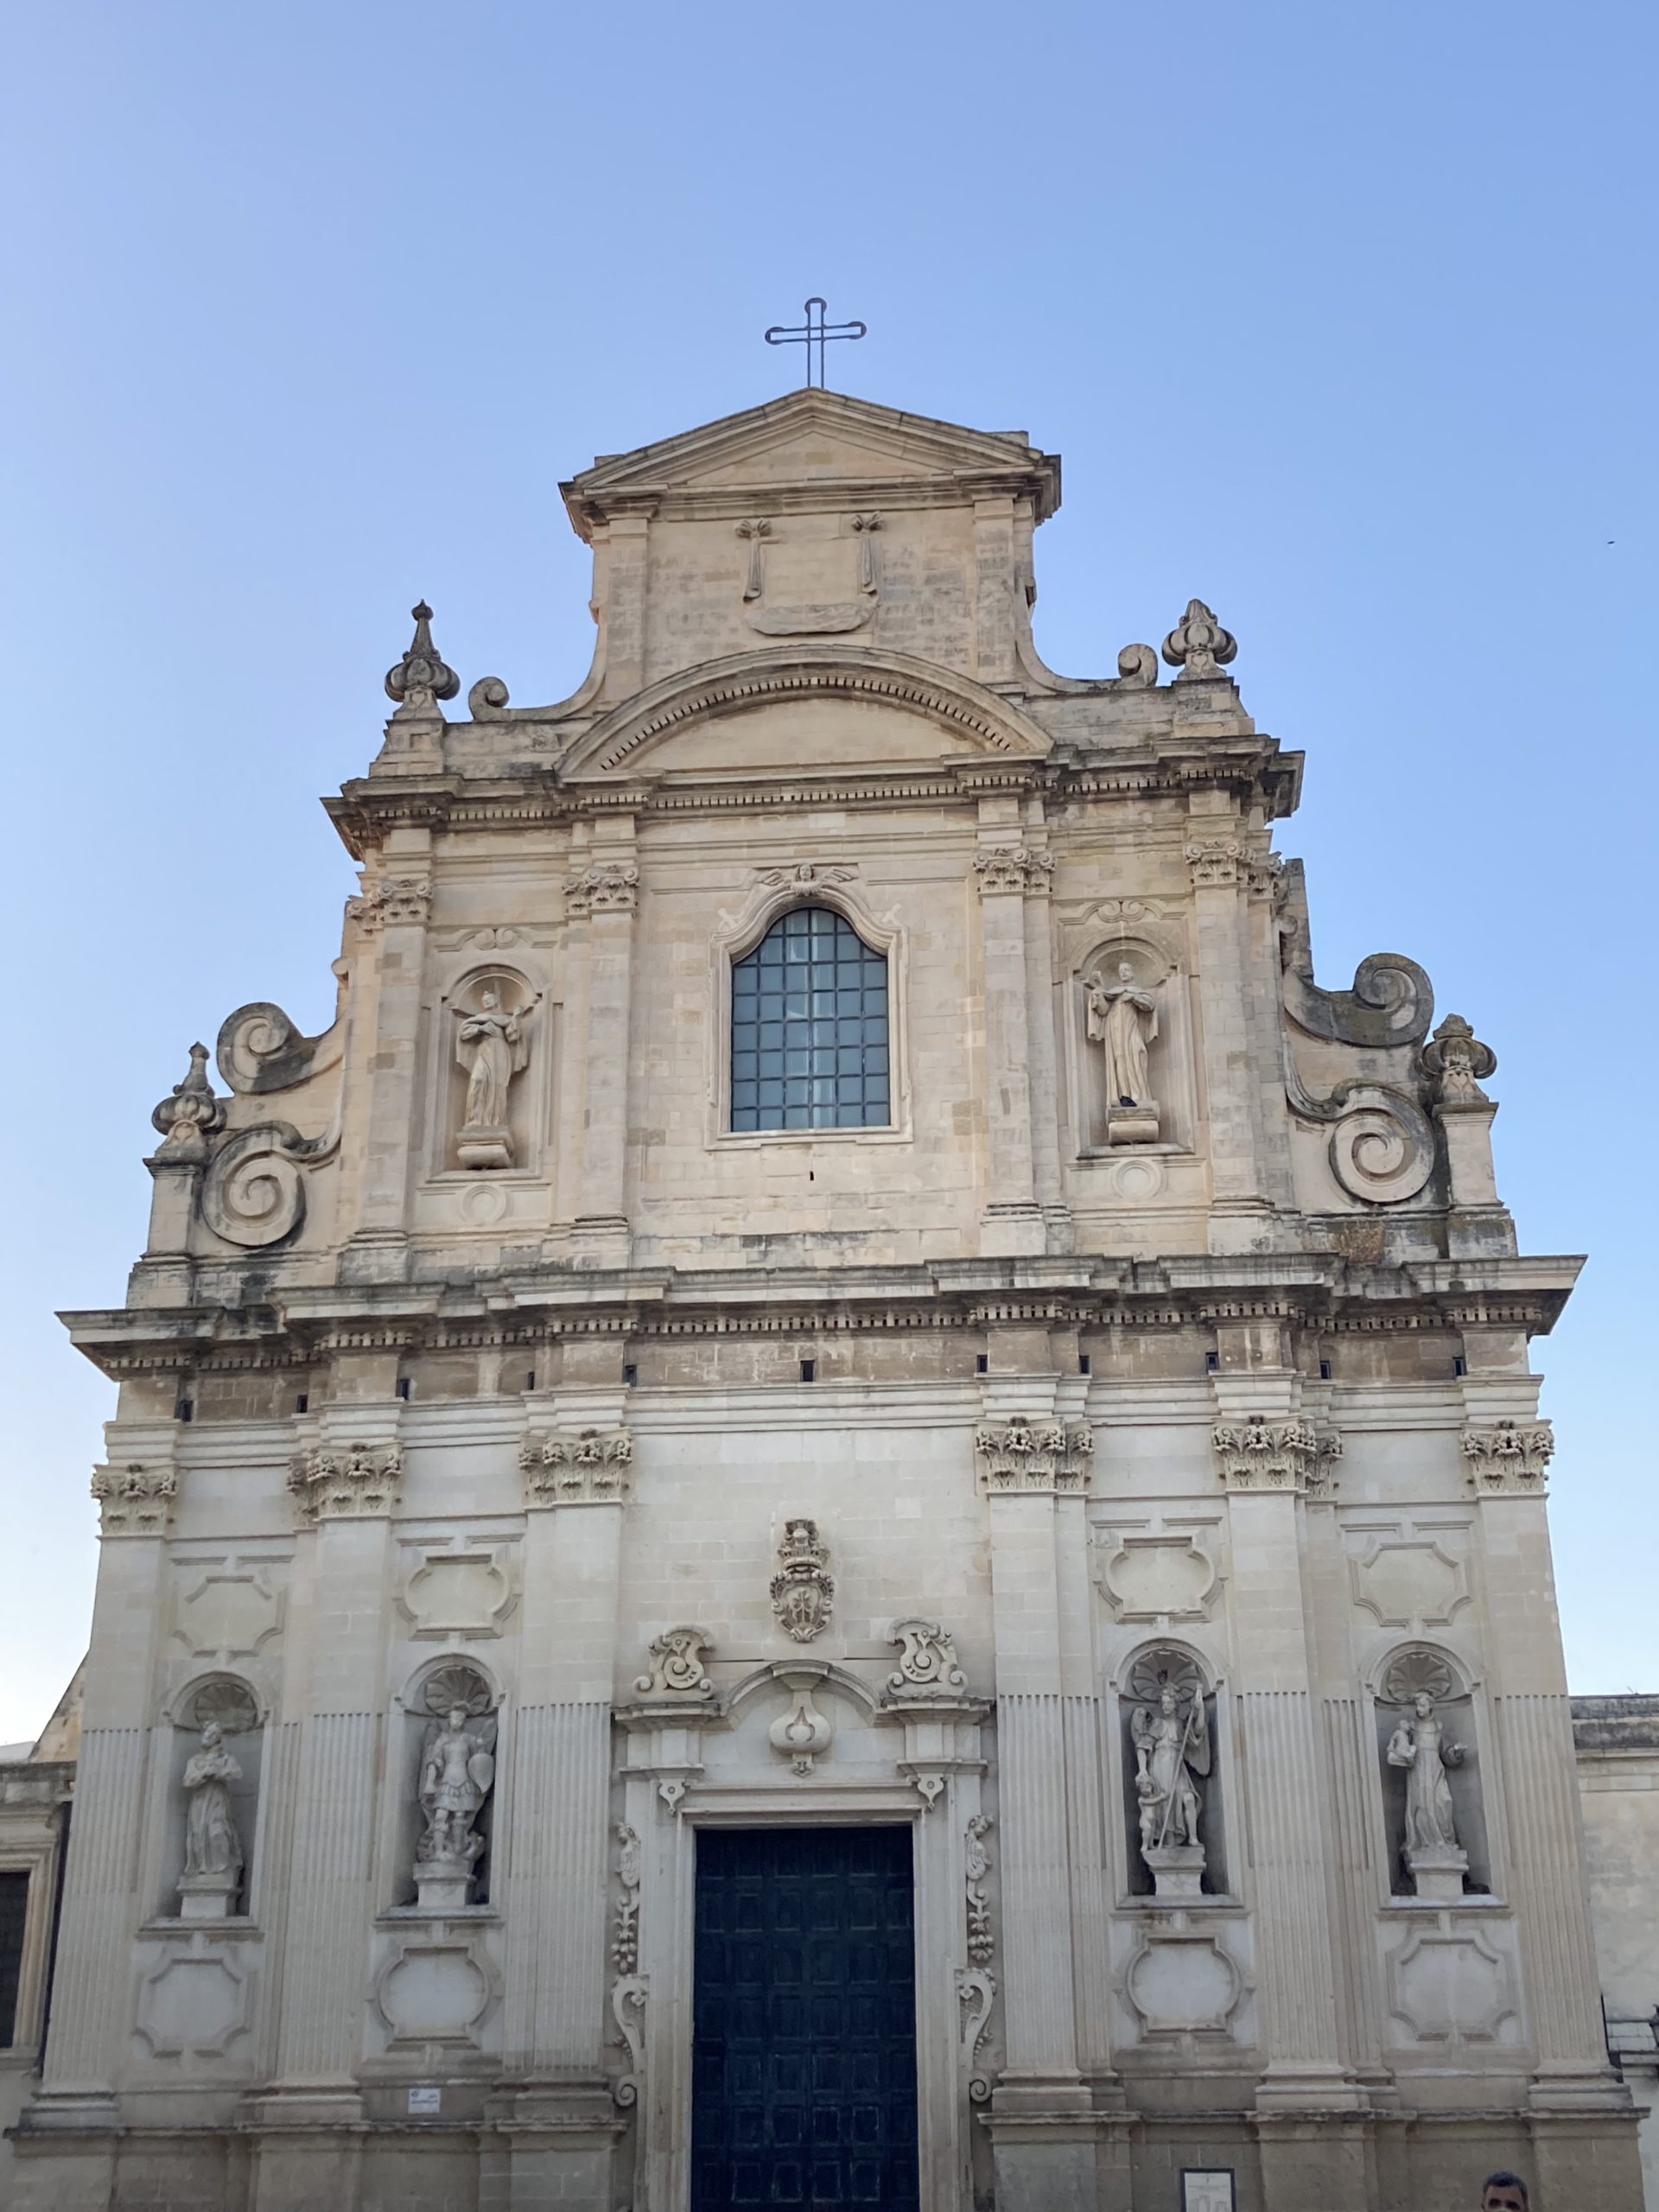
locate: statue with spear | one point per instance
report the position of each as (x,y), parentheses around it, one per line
(1169,1754)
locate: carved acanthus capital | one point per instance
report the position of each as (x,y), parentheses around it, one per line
(1004,869)
(1197,645)
(1034,1457)
(189,1115)
(677,1666)
(606,885)
(1215,862)
(394,900)
(927,1661)
(422,677)
(802,1590)
(1455,1060)
(1288,1455)
(136,1500)
(1508,1457)
(347,1482)
(584,1467)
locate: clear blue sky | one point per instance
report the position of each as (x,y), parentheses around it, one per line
(1342,319)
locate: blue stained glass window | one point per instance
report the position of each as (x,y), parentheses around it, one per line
(810,1028)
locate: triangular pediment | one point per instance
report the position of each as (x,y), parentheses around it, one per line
(808,440)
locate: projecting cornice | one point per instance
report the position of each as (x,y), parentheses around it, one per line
(1314,1290)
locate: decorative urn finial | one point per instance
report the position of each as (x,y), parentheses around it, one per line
(1455,1061)
(422,677)
(1197,645)
(191,1112)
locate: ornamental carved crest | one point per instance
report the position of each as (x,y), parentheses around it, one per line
(802,1590)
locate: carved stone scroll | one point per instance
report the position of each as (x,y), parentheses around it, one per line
(676,1665)
(259,1049)
(927,1660)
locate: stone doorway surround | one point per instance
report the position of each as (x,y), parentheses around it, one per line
(917,1762)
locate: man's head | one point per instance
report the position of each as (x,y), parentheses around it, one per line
(1503,2192)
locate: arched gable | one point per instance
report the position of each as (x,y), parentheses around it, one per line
(962,717)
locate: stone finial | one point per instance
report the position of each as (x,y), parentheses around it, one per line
(1197,645)
(420,678)
(191,1112)
(1455,1059)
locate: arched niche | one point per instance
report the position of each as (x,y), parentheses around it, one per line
(466,998)
(1398,1675)
(431,1693)
(1157,970)
(232,1705)
(1139,1683)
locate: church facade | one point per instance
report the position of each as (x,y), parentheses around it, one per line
(842,1502)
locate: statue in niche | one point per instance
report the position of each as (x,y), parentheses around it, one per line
(457,1770)
(1419,1745)
(1124,1022)
(212,1849)
(1169,1752)
(490,1045)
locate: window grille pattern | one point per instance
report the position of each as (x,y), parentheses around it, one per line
(810,1028)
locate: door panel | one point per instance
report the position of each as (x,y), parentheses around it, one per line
(803,2050)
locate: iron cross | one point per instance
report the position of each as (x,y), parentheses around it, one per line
(813,334)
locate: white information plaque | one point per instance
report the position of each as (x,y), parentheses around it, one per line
(1207,2189)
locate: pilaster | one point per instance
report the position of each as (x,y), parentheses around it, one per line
(1216,855)
(603,896)
(1005,869)
(136,1488)
(1268,1454)
(391,915)
(346,1486)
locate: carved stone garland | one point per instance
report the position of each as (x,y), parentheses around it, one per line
(1053,1456)
(628,1990)
(976,1983)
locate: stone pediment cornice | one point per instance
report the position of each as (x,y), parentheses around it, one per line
(1315,1290)
(895,459)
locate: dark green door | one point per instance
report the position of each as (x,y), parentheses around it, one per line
(803,2050)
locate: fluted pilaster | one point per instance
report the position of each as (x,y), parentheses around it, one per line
(555,1867)
(98,1908)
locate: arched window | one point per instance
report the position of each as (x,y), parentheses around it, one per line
(810,1028)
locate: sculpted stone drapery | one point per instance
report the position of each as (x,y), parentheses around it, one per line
(1124,1019)
(1419,1745)
(491,1046)
(212,1846)
(1170,1751)
(457,1770)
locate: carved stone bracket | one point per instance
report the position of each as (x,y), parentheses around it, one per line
(676,1665)
(1292,1455)
(1509,1458)
(628,1995)
(136,1500)
(1053,1455)
(975,1994)
(343,1484)
(927,1661)
(583,1468)
(1013,868)
(608,886)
